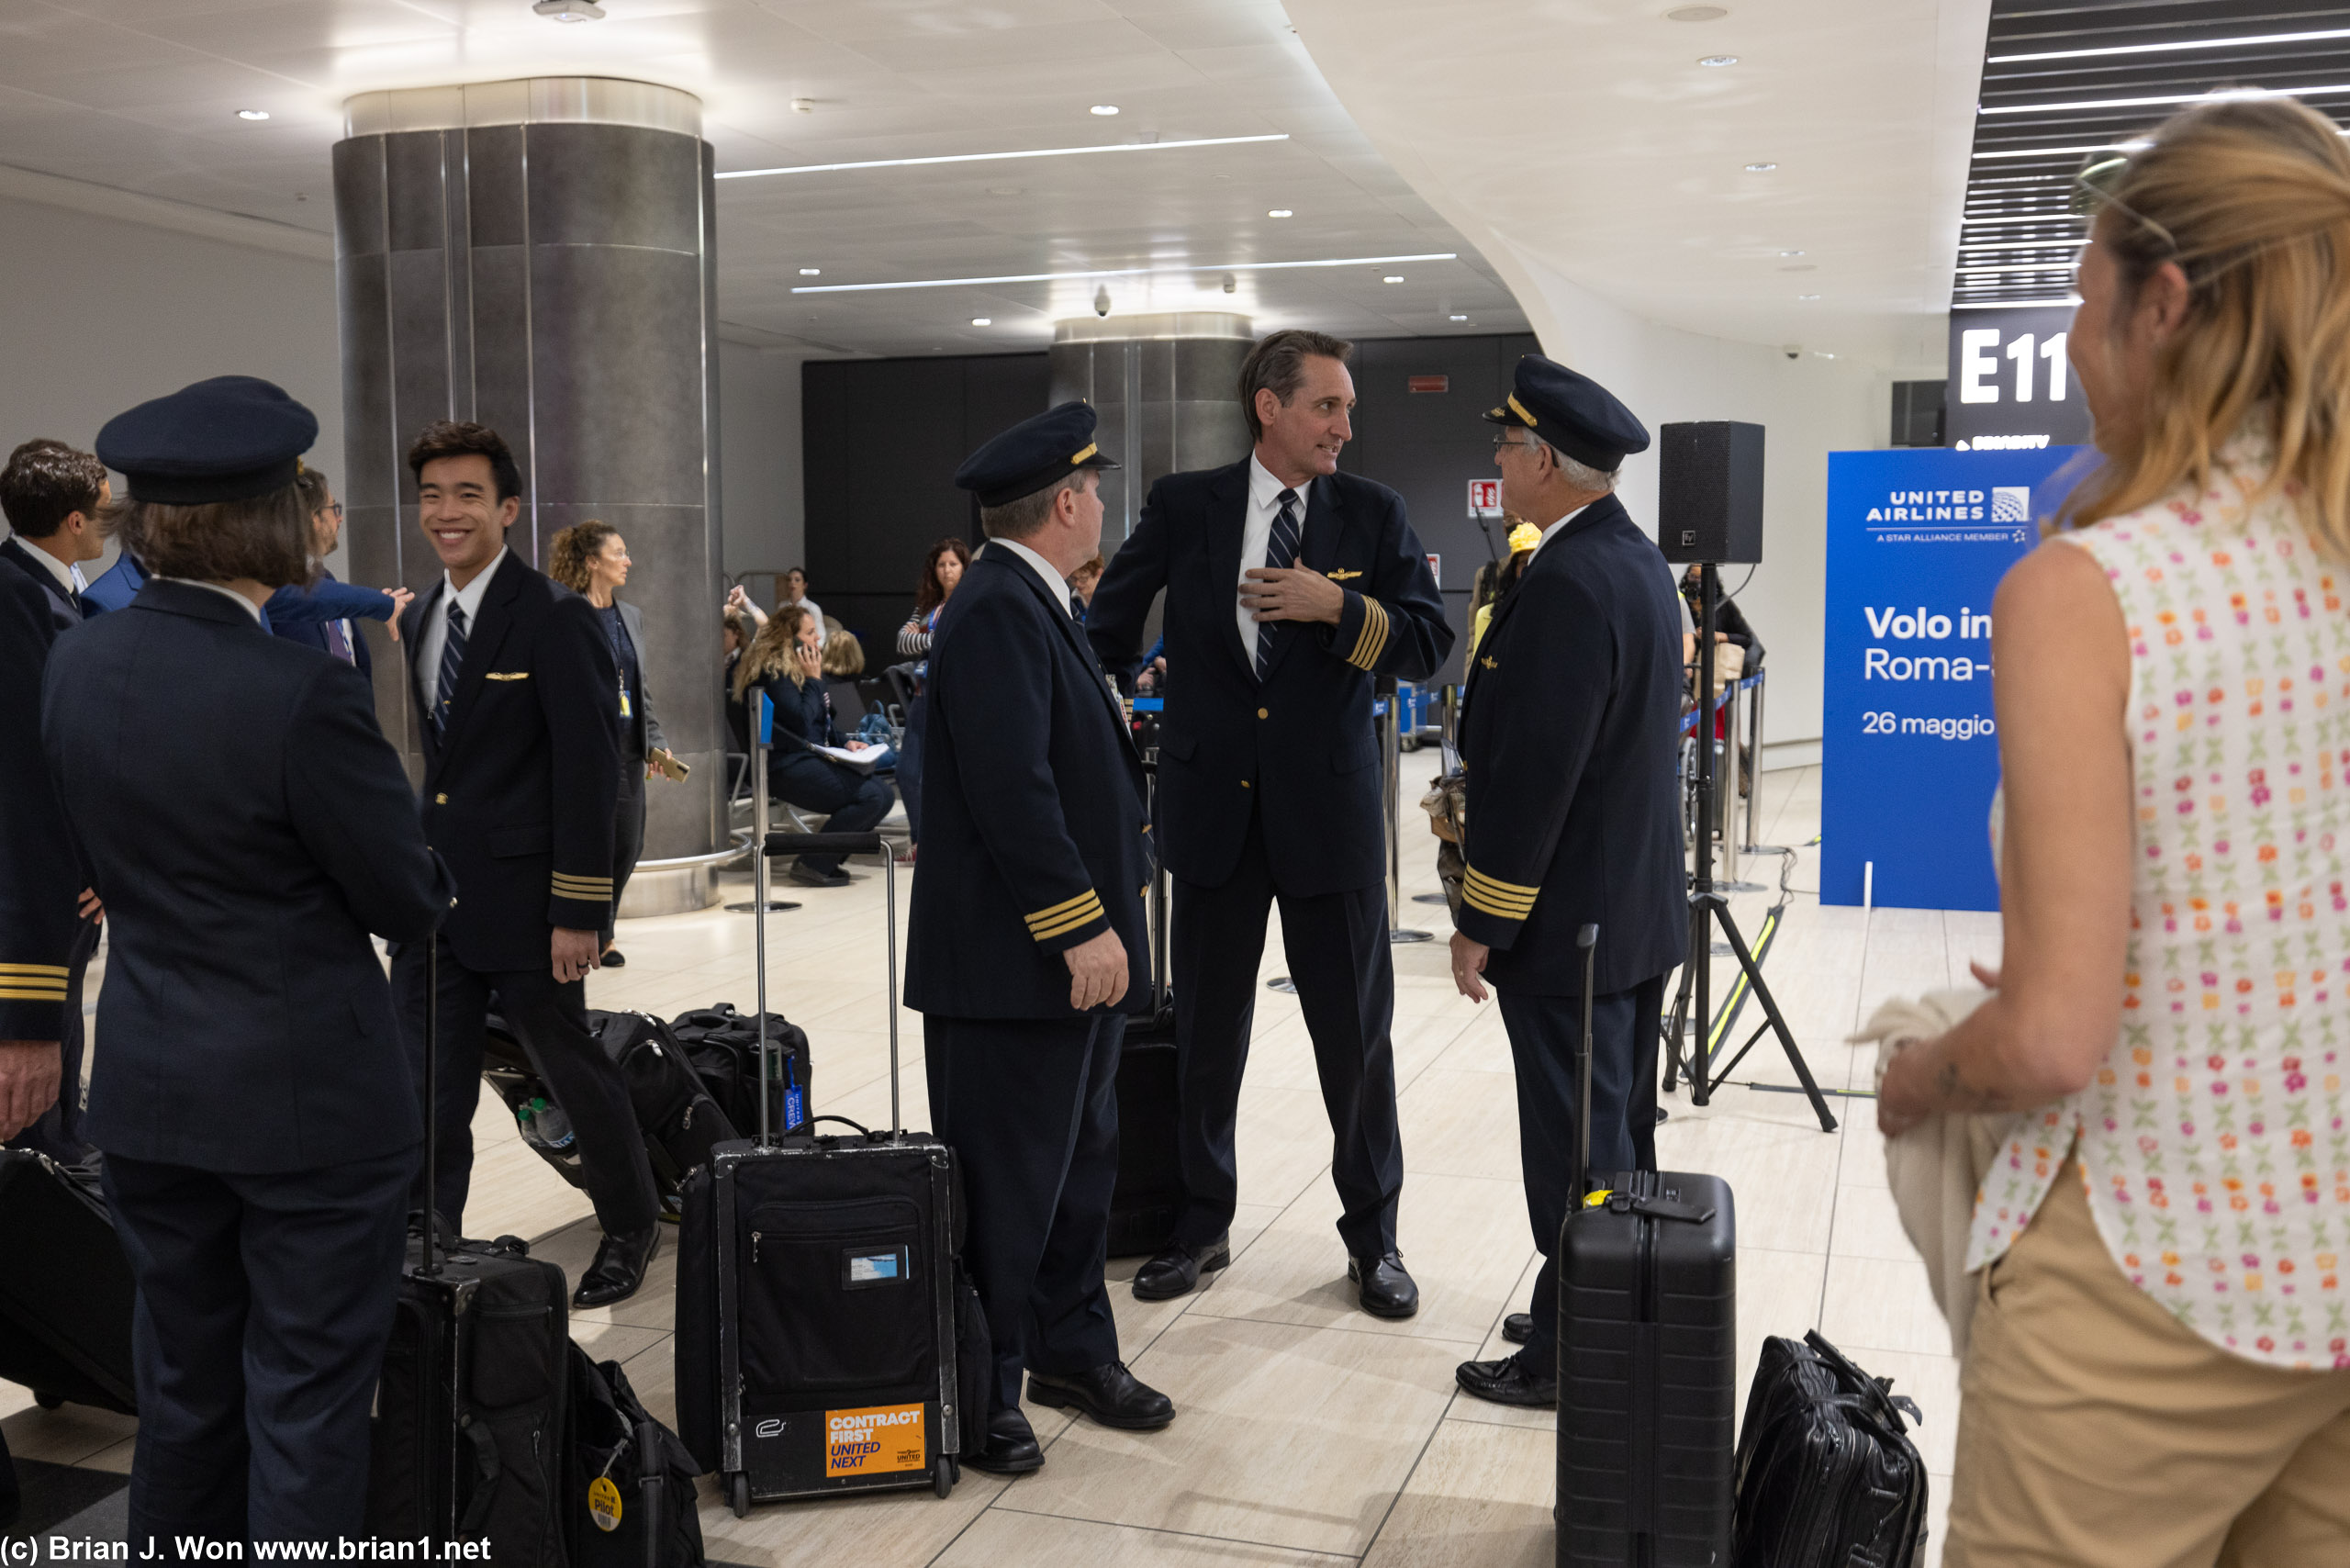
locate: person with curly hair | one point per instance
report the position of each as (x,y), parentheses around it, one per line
(784,662)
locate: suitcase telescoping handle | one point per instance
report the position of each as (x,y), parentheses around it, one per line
(841,844)
(431,1049)
(1587,939)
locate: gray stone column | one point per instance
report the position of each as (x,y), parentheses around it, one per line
(538,255)
(1167,388)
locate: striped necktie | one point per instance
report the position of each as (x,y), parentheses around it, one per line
(453,660)
(1281,551)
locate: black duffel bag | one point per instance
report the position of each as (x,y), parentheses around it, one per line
(628,1497)
(1826,1471)
(722,1046)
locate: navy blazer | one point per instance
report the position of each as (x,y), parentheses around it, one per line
(1567,731)
(248,826)
(64,609)
(1032,808)
(115,588)
(300,615)
(520,792)
(1298,745)
(40,880)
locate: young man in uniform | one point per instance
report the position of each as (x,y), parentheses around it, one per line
(514,681)
(1026,934)
(1567,735)
(1290,587)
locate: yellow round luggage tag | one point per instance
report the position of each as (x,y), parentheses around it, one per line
(604,1503)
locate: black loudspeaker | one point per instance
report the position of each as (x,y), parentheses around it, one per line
(1710,500)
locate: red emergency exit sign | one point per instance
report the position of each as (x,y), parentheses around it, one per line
(1431,383)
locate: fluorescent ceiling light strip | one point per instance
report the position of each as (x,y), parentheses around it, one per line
(2063,151)
(1161,271)
(998,157)
(2022,245)
(2149,102)
(1965,271)
(2052,217)
(2008,304)
(2255,41)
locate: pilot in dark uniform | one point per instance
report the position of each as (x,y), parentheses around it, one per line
(1567,735)
(514,679)
(52,495)
(1269,785)
(1025,946)
(248,826)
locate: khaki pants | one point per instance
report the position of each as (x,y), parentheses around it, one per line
(2096,1431)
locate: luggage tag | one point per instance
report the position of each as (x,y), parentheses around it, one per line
(604,1503)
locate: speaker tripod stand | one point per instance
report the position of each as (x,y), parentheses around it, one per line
(1708,907)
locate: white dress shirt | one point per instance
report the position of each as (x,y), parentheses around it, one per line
(436,623)
(1056,584)
(815,614)
(68,574)
(1256,536)
(231,595)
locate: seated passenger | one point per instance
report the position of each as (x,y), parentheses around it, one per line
(784,662)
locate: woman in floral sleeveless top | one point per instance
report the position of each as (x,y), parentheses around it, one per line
(2159,1371)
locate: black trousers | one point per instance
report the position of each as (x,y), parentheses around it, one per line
(853,802)
(628,835)
(264,1304)
(1031,1108)
(909,765)
(1542,1030)
(551,1022)
(1336,945)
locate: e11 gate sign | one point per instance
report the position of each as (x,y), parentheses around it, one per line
(1917,543)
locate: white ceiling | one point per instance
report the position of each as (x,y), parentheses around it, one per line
(1585,135)
(141,97)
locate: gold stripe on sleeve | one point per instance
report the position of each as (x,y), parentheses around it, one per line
(1084,914)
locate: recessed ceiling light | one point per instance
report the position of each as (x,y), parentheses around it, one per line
(1719,60)
(982,320)
(570,10)
(253,114)
(1280,212)
(1105,108)
(804,105)
(1790,253)
(811,272)
(1460,318)
(1760,168)
(1392,277)
(1696,14)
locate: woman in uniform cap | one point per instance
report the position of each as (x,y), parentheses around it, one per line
(249,828)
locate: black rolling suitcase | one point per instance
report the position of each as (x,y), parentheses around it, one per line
(1647,1358)
(824,1330)
(1148,1197)
(472,1426)
(1826,1472)
(681,1121)
(66,1294)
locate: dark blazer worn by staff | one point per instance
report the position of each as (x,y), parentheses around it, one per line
(1270,789)
(520,792)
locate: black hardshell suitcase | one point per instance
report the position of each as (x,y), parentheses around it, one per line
(1148,1197)
(680,1120)
(821,1297)
(1648,1360)
(66,1294)
(1826,1472)
(472,1423)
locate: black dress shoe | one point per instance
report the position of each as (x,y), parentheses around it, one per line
(1178,1268)
(1387,1291)
(614,958)
(1507,1382)
(1012,1445)
(1518,1328)
(1110,1394)
(807,875)
(619,1268)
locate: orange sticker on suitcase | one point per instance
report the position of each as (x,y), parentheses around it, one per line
(872,1441)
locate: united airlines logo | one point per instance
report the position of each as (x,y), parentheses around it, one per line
(2010,503)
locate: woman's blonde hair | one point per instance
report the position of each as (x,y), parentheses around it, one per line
(843,655)
(571,550)
(2252,199)
(771,651)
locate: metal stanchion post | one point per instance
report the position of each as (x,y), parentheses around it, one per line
(1754,766)
(1389,719)
(760,903)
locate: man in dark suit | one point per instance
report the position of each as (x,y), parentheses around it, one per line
(1571,718)
(325,614)
(1025,939)
(52,495)
(1289,585)
(513,679)
(249,827)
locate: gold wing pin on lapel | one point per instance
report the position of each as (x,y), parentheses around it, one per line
(1341,575)
(508,675)
(1488,662)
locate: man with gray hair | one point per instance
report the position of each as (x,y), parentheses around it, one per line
(1568,730)
(1291,587)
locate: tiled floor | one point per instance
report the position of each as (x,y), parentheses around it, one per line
(1308,1432)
